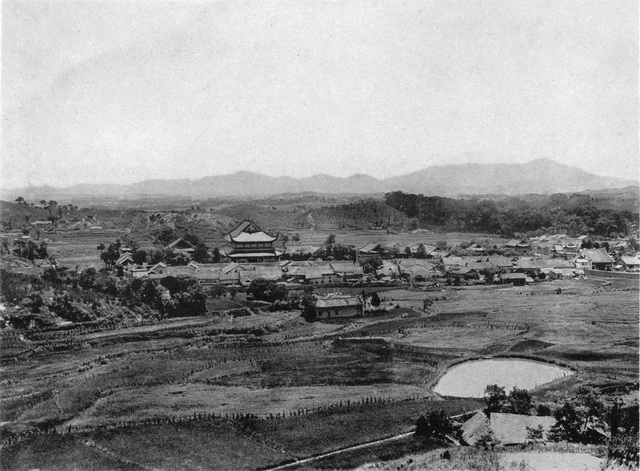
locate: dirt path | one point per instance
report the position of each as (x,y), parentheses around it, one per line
(352,448)
(344,450)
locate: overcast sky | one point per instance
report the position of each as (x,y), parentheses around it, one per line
(122,91)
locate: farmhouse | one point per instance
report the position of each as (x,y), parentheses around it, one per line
(520,245)
(388,269)
(600,259)
(501,261)
(144,270)
(582,262)
(330,308)
(305,274)
(452,263)
(419,273)
(251,244)
(511,429)
(125,259)
(371,251)
(518,279)
(181,246)
(348,271)
(628,263)
(329,276)
(477,248)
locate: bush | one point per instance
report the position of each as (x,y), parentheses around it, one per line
(517,402)
(266,290)
(581,419)
(436,424)
(623,446)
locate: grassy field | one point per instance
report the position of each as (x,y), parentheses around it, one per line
(281,389)
(404,239)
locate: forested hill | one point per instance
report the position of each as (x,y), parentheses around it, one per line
(574,214)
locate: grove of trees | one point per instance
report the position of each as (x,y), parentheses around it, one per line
(575,214)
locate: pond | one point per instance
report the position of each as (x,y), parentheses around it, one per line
(469,379)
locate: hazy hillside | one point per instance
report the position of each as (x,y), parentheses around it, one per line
(538,176)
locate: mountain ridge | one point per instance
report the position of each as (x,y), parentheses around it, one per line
(537,176)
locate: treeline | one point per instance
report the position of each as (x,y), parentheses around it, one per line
(575,215)
(90,295)
(363,214)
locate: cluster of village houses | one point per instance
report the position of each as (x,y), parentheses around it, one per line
(251,255)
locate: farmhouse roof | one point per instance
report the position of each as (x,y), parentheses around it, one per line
(475,428)
(388,268)
(513,276)
(597,255)
(629,260)
(307,272)
(511,429)
(427,248)
(230,267)
(448,261)
(338,302)
(268,272)
(126,257)
(180,242)
(500,260)
(371,247)
(347,268)
(560,263)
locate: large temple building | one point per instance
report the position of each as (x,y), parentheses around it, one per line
(250,244)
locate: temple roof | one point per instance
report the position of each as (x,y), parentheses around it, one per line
(248,231)
(253,237)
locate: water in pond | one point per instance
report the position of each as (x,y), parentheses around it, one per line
(469,379)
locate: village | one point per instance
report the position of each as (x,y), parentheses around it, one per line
(252,254)
(262,331)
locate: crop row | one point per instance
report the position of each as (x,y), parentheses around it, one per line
(341,406)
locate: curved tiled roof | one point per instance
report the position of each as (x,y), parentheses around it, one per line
(253,237)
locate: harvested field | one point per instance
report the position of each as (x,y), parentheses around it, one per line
(326,385)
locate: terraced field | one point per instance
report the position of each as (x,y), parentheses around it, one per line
(260,390)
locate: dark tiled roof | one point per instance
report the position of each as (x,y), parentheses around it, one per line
(338,302)
(597,255)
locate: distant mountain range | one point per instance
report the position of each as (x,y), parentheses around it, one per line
(543,176)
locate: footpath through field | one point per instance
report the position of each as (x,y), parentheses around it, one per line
(356,447)
(337,452)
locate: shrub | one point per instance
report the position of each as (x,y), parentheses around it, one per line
(436,424)
(581,419)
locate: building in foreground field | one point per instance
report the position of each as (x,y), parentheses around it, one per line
(518,279)
(599,258)
(626,263)
(250,244)
(331,308)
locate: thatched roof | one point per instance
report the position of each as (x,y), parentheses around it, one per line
(511,429)
(475,428)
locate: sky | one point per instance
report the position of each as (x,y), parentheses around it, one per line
(123,91)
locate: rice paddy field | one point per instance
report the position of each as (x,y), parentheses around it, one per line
(254,392)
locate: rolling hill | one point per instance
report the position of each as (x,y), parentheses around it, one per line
(543,176)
